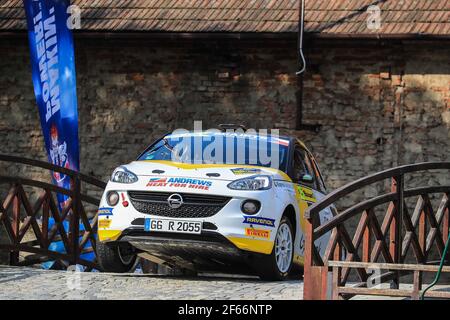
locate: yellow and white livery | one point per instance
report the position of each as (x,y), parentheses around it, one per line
(211,201)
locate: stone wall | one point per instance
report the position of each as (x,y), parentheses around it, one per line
(379,104)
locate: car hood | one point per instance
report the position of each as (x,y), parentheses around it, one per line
(204,171)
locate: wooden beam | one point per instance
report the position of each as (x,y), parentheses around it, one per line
(387,266)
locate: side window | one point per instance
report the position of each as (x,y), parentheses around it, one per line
(319,179)
(303,170)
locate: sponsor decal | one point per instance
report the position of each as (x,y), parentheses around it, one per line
(282,142)
(54,81)
(179,182)
(105,211)
(260,221)
(241,171)
(258,233)
(306,194)
(104,223)
(157,182)
(282,185)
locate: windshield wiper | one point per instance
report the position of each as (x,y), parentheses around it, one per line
(165,144)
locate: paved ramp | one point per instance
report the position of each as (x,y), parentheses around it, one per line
(29,283)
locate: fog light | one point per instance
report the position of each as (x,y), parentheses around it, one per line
(250,206)
(112,198)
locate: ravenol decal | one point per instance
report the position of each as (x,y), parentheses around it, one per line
(105,211)
(258,233)
(241,171)
(260,221)
(104,223)
(180,183)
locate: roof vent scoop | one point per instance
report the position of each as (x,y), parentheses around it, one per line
(213,175)
(228,126)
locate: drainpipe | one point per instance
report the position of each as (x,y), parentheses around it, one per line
(300,73)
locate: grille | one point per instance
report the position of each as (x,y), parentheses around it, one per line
(194,205)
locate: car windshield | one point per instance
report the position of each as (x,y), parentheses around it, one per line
(221,148)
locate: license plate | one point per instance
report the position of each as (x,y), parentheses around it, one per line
(178,226)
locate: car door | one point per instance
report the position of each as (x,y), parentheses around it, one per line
(310,188)
(319,192)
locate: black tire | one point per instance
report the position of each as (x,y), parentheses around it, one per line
(111,257)
(297,272)
(266,265)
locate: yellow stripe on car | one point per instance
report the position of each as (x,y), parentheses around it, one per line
(299,258)
(260,246)
(190,166)
(109,235)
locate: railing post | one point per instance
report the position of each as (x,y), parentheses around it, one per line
(14,255)
(75,223)
(446,219)
(445,222)
(400,212)
(366,242)
(423,232)
(308,289)
(417,285)
(337,274)
(315,286)
(396,226)
(45,218)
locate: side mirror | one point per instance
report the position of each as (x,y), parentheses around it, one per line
(306,178)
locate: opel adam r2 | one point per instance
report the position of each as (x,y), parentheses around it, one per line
(212,201)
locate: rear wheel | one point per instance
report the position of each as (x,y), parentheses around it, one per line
(278,264)
(113,257)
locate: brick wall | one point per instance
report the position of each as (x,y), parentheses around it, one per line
(379,104)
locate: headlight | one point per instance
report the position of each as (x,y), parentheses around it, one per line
(123,175)
(252,183)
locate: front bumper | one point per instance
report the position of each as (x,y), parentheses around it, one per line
(209,251)
(229,222)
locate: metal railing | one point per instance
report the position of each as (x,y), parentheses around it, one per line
(422,230)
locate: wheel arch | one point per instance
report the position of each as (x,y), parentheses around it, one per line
(290,213)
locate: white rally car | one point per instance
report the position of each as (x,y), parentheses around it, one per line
(212,201)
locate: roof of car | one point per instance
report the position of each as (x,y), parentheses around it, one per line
(210,132)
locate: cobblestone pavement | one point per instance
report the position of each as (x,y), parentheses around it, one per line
(28,283)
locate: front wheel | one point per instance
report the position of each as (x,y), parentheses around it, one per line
(116,258)
(278,264)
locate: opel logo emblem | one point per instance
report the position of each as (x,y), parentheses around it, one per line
(175,201)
